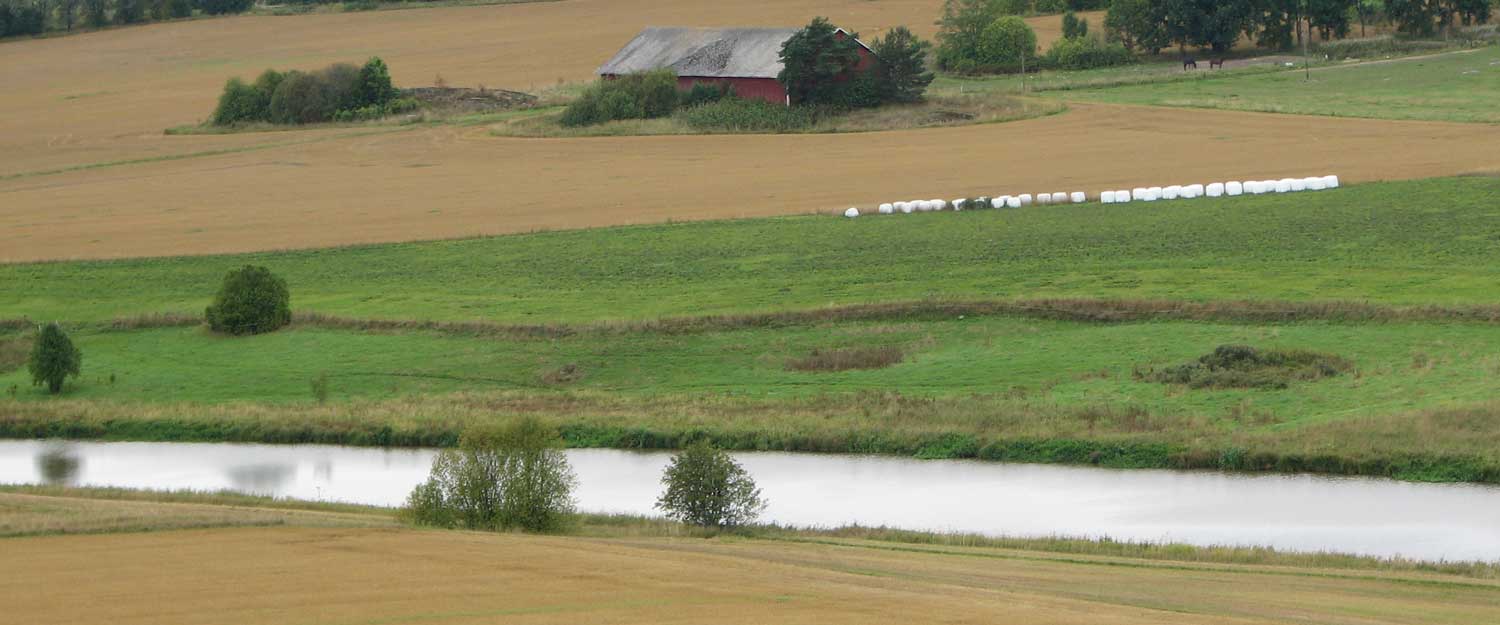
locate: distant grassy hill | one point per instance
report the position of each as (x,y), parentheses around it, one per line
(1410,243)
(1460,87)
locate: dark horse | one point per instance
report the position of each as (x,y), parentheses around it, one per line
(1216,63)
(1189,62)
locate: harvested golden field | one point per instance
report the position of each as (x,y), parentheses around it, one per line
(426,183)
(339,575)
(85,171)
(24,514)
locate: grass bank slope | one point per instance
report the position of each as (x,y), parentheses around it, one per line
(1460,87)
(1409,243)
(363,575)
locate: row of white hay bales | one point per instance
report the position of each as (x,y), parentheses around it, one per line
(1141,194)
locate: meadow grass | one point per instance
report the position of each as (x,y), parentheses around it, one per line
(1429,242)
(1459,87)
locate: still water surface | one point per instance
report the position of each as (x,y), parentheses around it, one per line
(1296,512)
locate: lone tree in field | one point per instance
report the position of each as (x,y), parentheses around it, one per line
(903,63)
(812,58)
(252,301)
(706,487)
(53,359)
(499,478)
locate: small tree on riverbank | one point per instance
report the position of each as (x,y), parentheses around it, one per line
(53,359)
(512,477)
(706,487)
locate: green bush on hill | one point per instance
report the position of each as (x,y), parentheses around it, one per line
(643,95)
(252,300)
(54,358)
(1085,53)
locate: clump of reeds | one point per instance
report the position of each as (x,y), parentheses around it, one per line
(1243,366)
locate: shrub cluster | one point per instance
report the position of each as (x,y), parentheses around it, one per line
(1086,52)
(1242,366)
(499,478)
(339,92)
(54,358)
(643,95)
(737,115)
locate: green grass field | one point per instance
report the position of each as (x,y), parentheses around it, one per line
(1461,86)
(1430,242)
(1411,269)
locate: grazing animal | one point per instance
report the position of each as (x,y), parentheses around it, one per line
(1216,64)
(1189,62)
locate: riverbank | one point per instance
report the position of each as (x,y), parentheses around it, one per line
(52,510)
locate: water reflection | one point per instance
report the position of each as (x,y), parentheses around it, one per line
(266,479)
(58,465)
(1296,512)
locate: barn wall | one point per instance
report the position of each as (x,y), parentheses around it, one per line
(767,89)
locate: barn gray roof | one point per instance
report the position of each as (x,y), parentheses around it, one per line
(703,52)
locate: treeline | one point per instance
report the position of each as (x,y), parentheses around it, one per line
(982,37)
(34,17)
(1153,25)
(339,92)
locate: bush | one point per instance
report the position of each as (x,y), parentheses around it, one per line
(1049,7)
(737,115)
(238,104)
(221,7)
(1006,45)
(499,478)
(706,487)
(53,359)
(373,86)
(252,300)
(1086,53)
(704,93)
(643,95)
(1243,366)
(306,98)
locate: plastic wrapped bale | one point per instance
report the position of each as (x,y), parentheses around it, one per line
(1299,184)
(1214,189)
(906,207)
(1012,201)
(1192,191)
(852,212)
(1171,192)
(886,209)
(1138,193)
(1000,202)
(1331,182)
(1043,199)
(939,205)
(1122,196)
(1234,188)
(959,204)
(1079,197)
(1107,197)
(1148,195)
(1315,184)
(1059,198)
(1284,185)
(1025,199)
(1258,187)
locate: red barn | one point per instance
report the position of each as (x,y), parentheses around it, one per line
(747,58)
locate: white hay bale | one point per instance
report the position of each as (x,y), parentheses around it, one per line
(886,209)
(1192,191)
(1331,182)
(1234,188)
(1138,193)
(1107,197)
(1122,196)
(852,212)
(959,203)
(1000,202)
(939,204)
(1061,198)
(1012,201)
(1079,197)
(1262,186)
(1214,189)
(904,207)
(1171,192)
(1315,184)
(1298,184)
(1025,199)
(1043,199)
(1151,194)
(1283,186)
